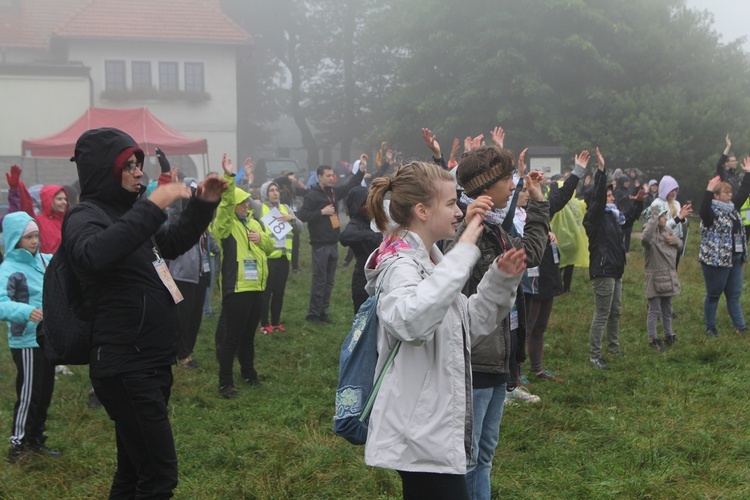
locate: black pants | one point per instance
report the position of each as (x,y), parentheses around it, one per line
(240,315)
(431,486)
(146,456)
(273,295)
(566,274)
(34,384)
(191,313)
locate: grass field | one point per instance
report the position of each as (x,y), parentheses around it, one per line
(653,426)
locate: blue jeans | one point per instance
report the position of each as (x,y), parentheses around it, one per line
(726,280)
(488,412)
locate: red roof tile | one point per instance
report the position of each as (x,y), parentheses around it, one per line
(183,20)
(29,23)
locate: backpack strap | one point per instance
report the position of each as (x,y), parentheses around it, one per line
(388,362)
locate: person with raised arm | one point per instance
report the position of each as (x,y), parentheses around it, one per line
(723,249)
(604,225)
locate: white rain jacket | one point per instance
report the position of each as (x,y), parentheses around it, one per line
(422,419)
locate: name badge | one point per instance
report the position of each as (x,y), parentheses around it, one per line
(163,271)
(251,270)
(738,243)
(334,221)
(514,318)
(205,264)
(555,253)
(533,272)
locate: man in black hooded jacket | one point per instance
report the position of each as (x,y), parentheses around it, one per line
(119,263)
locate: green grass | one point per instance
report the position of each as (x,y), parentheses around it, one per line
(654,425)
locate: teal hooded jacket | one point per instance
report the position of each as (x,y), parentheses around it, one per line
(21,279)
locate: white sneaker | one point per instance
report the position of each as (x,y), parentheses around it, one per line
(521,393)
(63,370)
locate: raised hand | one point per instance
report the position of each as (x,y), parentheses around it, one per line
(248,165)
(640,195)
(432,142)
(226,164)
(211,188)
(600,158)
(498,137)
(477,142)
(522,162)
(583,159)
(746,164)
(166,194)
(533,183)
(163,162)
(14,176)
(713,183)
(467,144)
(512,262)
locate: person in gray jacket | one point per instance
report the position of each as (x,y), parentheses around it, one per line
(660,248)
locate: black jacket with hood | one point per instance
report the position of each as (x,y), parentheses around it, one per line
(606,249)
(135,319)
(359,236)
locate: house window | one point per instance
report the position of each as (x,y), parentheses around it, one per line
(114,75)
(194,77)
(141,74)
(168,76)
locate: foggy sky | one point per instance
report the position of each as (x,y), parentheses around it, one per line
(730,18)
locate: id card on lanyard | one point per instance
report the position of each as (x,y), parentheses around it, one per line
(166,277)
(250,270)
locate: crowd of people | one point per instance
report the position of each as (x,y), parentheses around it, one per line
(480,245)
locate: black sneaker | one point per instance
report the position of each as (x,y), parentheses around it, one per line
(327,319)
(711,332)
(228,392)
(314,321)
(742,331)
(16,453)
(598,363)
(41,449)
(254,382)
(657,345)
(669,340)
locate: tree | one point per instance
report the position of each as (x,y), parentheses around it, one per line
(646,80)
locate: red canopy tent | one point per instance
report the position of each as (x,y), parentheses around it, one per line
(147,130)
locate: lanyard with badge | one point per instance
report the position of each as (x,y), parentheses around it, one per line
(164,275)
(334,216)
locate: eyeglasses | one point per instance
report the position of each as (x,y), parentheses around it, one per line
(131,166)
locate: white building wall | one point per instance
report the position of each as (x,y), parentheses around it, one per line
(214,120)
(36,106)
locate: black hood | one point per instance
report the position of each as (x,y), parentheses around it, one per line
(95,154)
(355,199)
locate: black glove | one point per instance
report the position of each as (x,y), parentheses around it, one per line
(163,162)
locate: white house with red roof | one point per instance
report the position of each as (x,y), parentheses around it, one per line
(175,57)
